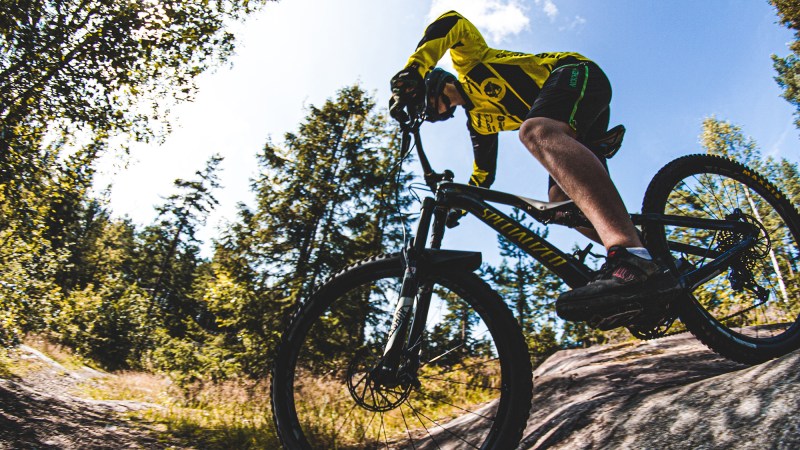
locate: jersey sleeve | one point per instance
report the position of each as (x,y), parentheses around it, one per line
(451,31)
(484,148)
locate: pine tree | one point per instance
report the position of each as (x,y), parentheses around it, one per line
(327,196)
(788,67)
(725,139)
(327,188)
(170,251)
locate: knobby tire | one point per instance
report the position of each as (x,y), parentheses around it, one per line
(749,314)
(303,347)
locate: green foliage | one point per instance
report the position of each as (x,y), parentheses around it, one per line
(146,299)
(109,324)
(327,196)
(39,225)
(72,75)
(722,138)
(788,67)
(580,335)
(96,63)
(322,198)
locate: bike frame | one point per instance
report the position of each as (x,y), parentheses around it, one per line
(476,201)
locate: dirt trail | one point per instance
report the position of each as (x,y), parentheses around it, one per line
(41,411)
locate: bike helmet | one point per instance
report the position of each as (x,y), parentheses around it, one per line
(434,88)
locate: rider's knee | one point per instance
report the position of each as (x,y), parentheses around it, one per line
(536,132)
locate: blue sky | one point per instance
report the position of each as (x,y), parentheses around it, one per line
(671,64)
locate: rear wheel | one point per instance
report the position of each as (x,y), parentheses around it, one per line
(749,311)
(473,388)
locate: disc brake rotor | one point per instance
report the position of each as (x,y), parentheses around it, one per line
(365,387)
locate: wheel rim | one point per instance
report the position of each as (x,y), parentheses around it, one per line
(338,405)
(756,299)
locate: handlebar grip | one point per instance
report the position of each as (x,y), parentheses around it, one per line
(397,111)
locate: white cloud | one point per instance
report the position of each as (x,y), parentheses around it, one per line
(782,143)
(577,22)
(549,8)
(496,19)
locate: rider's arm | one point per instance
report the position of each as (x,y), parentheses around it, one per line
(450,31)
(484,148)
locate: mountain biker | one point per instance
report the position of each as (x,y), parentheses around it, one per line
(556,101)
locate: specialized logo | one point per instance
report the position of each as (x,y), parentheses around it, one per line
(524,238)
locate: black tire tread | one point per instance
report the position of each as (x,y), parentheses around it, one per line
(517,416)
(696,319)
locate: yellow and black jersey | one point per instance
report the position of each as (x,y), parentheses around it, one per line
(500,85)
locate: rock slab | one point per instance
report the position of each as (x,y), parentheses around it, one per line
(668,393)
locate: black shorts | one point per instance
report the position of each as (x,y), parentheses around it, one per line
(577,94)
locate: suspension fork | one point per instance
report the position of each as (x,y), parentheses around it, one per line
(411,290)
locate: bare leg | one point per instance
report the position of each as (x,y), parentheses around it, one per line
(582,177)
(556,194)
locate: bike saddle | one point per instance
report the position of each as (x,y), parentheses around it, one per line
(608,144)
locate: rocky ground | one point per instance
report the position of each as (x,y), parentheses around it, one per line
(669,393)
(41,411)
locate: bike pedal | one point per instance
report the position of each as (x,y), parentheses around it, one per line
(617,319)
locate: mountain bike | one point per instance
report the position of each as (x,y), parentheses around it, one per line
(411,349)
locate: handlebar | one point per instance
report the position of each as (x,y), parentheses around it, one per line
(410,119)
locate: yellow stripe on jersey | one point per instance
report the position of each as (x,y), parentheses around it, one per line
(478,175)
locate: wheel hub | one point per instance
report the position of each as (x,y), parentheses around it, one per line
(372,386)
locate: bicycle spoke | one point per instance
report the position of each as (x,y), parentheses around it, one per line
(740,311)
(366,429)
(456,406)
(423,426)
(347,342)
(344,421)
(444,428)
(451,350)
(461,383)
(482,363)
(408,430)
(383,428)
(708,189)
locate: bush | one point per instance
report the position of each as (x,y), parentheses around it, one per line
(110,324)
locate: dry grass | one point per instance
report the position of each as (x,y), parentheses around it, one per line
(326,407)
(228,415)
(6,364)
(57,352)
(236,414)
(14,365)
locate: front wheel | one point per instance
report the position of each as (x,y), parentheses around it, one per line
(473,388)
(748,312)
